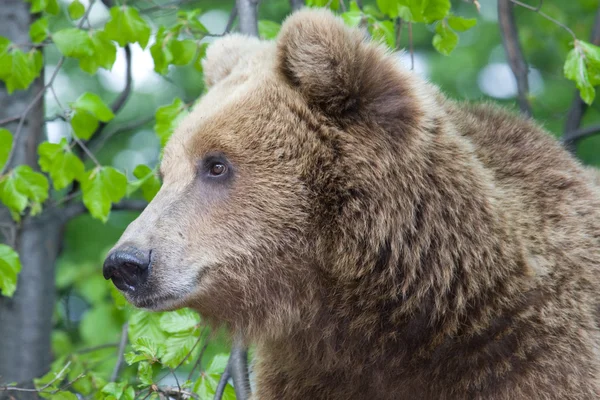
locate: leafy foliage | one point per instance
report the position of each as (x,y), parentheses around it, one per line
(85,345)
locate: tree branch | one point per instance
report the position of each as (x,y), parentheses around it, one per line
(248,16)
(512,47)
(121,352)
(238,361)
(118,104)
(76,209)
(223,382)
(298,4)
(230,21)
(572,137)
(578,107)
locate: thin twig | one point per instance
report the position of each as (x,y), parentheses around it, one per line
(75,209)
(549,18)
(86,150)
(119,103)
(231,20)
(46,386)
(223,382)
(121,352)
(512,47)
(9,120)
(98,142)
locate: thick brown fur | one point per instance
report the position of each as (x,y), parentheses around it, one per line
(376,240)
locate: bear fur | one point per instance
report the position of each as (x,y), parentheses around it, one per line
(373,239)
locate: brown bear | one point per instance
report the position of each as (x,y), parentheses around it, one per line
(372,239)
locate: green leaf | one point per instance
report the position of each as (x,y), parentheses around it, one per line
(200,54)
(167,118)
(38,31)
(383,31)
(133,357)
(101,187)
(148,348)
(576,70)
(333,4)
(104,56)
(268,29)
(461,24)
(145,324)
(435,10)
(206,387)
(353,18)
(73,42)
(62,165)
(179,321)
(445,39)
(389,7)
(37,5)
(6,142)
(53,7)
(218,364)
(10,266)
(92,103)
(114,388)
(19,69)
(183,51)
(126,26)
(89,109)
(147,180)
(161,52)
(76,9)
(84,124)
(23,187)
(145,373)
(591,52)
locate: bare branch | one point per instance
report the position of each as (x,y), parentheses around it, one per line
(239,370)
(76,209)
(248,16)
(549,18)
(223,382)
(46,386)
(578,134)
(119,103)
(120,354)
(578,106)
(512,47)
(297,4)
(230,21)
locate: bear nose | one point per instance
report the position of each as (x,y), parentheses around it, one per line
(128,268)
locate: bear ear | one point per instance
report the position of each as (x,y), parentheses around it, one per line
(339,71)
(233,52)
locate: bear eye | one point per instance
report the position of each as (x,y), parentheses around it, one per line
(215,166)
(217,169)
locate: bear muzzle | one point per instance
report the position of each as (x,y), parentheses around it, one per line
(128,268)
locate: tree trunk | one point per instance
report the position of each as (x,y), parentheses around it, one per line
(26,318)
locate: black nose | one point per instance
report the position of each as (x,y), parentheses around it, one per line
(127,267)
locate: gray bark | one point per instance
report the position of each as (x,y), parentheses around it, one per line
(248,16)
(26,318)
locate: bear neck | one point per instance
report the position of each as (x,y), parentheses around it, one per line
(418,262)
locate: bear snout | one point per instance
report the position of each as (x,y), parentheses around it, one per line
(127,267)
